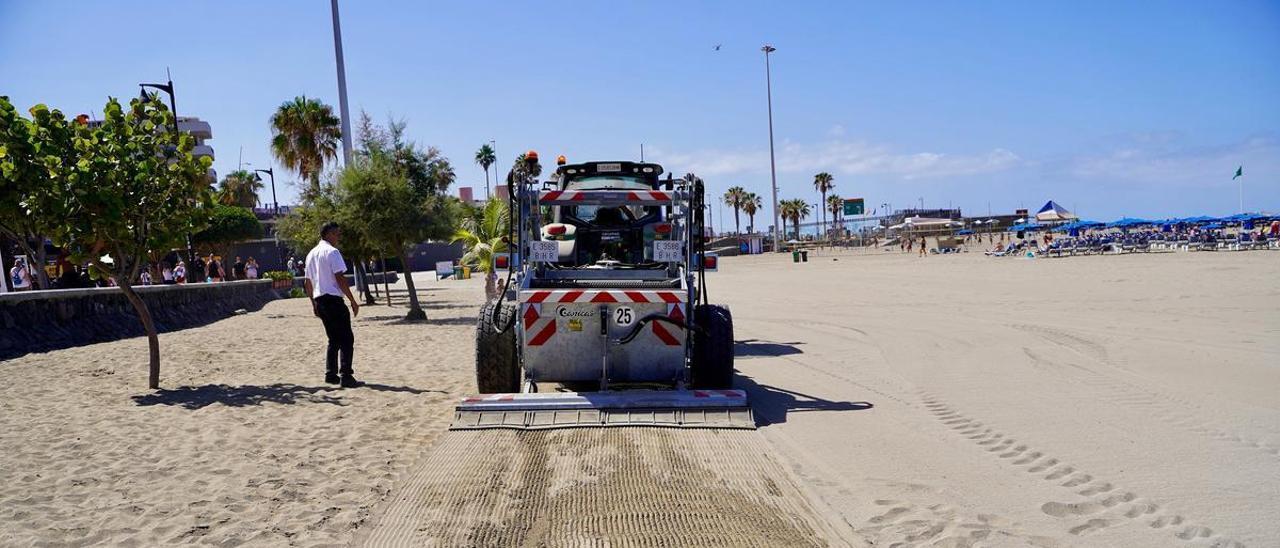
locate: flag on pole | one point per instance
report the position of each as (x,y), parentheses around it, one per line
(1239,172)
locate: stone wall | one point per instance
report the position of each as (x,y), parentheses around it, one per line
(38,321)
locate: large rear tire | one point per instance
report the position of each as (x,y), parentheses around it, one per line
(713,348)
(497,366)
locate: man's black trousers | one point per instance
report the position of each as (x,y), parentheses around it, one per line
(337,325)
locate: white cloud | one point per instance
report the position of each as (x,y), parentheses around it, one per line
(842,157)
(836,131)
(1148,162)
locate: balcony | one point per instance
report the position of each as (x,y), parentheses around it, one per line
(195,126)
(202,150)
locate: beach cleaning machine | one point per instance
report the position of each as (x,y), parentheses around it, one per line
(604,320)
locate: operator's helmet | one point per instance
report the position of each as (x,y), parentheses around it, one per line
(531,157)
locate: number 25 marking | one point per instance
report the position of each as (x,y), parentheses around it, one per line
(622,316)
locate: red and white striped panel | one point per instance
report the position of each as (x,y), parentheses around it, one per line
(562,196)
(602,296)
(651,197)
(538,329)
(675,311)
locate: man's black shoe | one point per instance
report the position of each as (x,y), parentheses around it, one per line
(332,378)
(349,381)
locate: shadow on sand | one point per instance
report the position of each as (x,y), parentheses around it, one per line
(196,397)
(751,348)
(771,404)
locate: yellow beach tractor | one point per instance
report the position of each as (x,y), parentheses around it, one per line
(604,319)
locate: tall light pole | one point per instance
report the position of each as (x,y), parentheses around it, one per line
(272,173)
(173,107)
(342,86)
(773,170)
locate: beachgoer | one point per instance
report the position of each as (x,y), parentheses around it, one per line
(251,269)
(923,245)
(325,285)
(237,269)
(20,276)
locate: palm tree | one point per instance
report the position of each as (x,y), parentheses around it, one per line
(823,183)
(240,188)
(835,205)
(734,197)
(304,135)
(482,237)
(750,205)
(521,169)
(486,157)
(795,210)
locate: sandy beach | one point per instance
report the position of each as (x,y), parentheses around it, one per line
(902,401)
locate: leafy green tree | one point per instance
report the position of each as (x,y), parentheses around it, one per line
(375,195)
(486,157)
(29,153)
(304,136)
(823,183)
(482,238)
(750,205)
(133,188)
(240,188)
(227,225)
(735,197)
(300,230)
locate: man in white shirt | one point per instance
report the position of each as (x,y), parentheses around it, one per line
(325,286)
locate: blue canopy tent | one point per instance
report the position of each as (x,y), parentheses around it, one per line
(1128,222)
(1074,227)
(964,232)
(1026,227)
(1194,220)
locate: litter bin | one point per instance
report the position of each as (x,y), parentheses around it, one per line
(804,256)
(795,256)
(466,273)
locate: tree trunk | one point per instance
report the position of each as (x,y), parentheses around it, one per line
(490,287)
(362,281)
(153,340)
(735,220)
(415,310)
(825,234)
(386,285)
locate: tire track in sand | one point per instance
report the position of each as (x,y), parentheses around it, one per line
(598,487)
(1103,505)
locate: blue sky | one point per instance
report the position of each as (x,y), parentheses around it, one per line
(1108,108)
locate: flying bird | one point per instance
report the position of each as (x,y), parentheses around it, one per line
(717,47)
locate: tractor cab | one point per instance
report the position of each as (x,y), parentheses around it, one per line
(607,235)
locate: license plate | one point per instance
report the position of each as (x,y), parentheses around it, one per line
(610,236)
(608,167)
(543,251)
(668,251)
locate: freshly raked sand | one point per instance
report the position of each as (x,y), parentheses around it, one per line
(949,401)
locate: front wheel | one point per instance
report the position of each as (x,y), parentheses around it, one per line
(497,365)
(712,348)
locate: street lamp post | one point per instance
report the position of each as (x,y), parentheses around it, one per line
(173,108)
(275,205)
(342,85)
(773,170)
